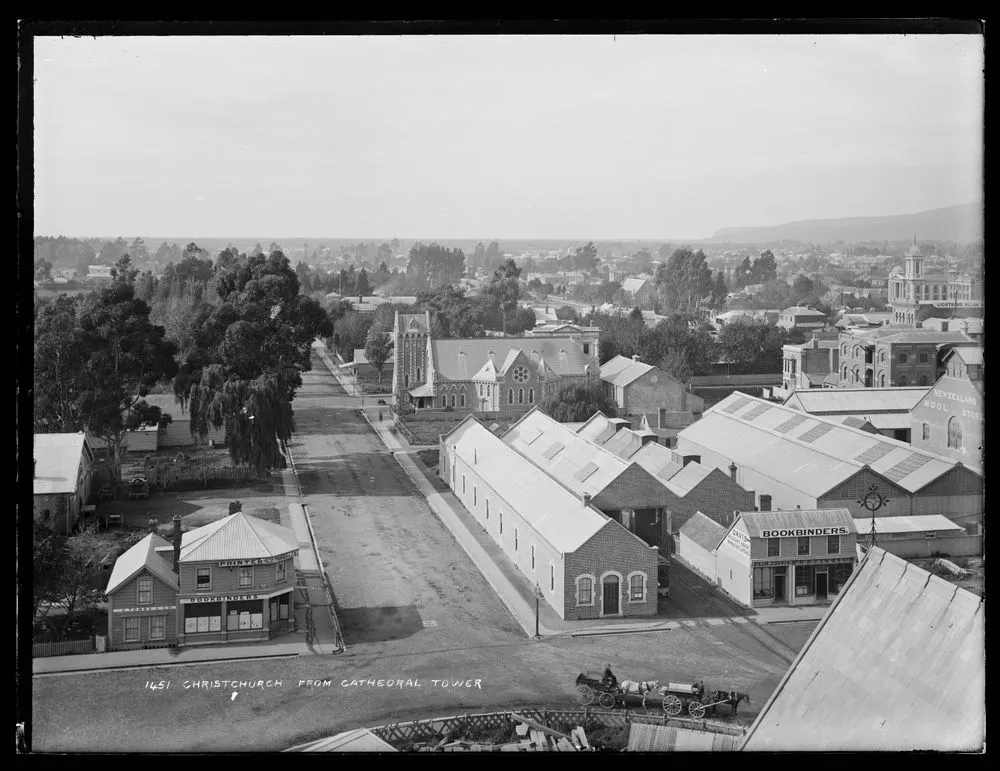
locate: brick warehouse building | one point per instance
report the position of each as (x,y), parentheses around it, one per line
(229,581)
(585,563)
(486,375)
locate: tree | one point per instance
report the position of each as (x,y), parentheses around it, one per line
(505,289)
(478,259)
(585,258)
(394,243)
(435,266)
(719,291)
(384,253)
(493,256)
(43,270)
(802,287)
(579,401)
(764,268)
(363,285)
(247,357)
(567,313)
(378,348)
(752,347)
(675,364)
(744,273)
(524,320)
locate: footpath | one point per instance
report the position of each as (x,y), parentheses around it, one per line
(510,585)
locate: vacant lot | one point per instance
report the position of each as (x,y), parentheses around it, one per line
(428,431)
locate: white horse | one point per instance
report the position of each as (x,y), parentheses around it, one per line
(639,688)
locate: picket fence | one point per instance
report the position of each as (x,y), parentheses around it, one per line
(166,476)
(560,720)
(41,650)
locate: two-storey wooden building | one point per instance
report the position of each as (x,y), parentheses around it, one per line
(229,581)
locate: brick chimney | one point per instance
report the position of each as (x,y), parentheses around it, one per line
(732,471)
(235,507)
(177,542)
(635,358)
(586,499)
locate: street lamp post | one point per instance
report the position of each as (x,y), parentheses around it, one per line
(873,501)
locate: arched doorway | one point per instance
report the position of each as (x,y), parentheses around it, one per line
(611,595)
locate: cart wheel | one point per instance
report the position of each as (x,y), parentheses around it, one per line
(696,709)
(586,694)
(672,705)
(607,700)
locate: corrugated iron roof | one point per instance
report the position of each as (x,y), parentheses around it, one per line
(968,354)
(563,355)
(897,664)
(687,478)
(756,521)
(357,740)
(634,284)
(916,524)
(623,373)
(705,532)
(557,514)
(855,401)
(238,536)
(613,366)
(143,555)
(812,458)
(649,737)
(57,462)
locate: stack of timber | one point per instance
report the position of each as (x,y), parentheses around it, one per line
(531,737)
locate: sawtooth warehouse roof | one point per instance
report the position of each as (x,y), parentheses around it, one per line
(805,452)
(897,663)
(557,514)
(855,401)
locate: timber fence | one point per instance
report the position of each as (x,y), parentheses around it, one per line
(404,734)
(43,649)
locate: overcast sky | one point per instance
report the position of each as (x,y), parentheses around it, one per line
(641,137)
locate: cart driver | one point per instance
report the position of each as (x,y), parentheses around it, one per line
(609,677)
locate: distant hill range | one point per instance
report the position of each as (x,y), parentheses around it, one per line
(961,223)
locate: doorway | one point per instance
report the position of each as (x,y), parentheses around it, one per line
(821,586)
(611,596)
(779,588)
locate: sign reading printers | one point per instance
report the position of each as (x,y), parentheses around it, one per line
(803,531)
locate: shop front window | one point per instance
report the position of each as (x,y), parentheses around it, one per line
(763,583)
(805,580)
(202,617)
(244,615)
(838,575)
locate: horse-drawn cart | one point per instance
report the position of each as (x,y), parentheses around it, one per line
(673,698)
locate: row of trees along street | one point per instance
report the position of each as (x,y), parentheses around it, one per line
(230,340)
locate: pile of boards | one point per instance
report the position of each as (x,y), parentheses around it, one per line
(532,737)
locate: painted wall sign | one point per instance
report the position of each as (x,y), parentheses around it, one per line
(821,561)
(257,561)
(739,541)
(233,597)
(804,531)
(145,608)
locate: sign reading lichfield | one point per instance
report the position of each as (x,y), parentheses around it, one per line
(257,561)
(804,531)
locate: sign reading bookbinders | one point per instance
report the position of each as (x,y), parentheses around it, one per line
(804,531)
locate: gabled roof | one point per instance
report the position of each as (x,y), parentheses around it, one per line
(798,310)
(621,371)
(757,521)
(556,514)
(361,358)
(705,532)
(57,462)
(144,556)
(809,453)
(687,478)
(356,740)
(968,354)
(634,284)
(563,355)
(238,536)
(413,322)
(856,401)
(895,334)
(897,663)
(916,524)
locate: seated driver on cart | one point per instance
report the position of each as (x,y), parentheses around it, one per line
(609,677)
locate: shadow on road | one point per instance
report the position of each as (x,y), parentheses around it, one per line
(368,625)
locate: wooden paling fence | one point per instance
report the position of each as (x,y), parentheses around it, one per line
(165,476)
(41,650)
(561,720)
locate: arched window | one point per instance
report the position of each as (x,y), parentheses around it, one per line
(922,380)
(954,434)
(843,373)
(902,381)
(843,349)
(489,390)
(585,590)
(480,389)
(637,587)
(418,374)
(510,396)
(881,380)
(531,396)
(444,400)
(406,381)
(453,400)
(462,399)
(520,396)
(881,357)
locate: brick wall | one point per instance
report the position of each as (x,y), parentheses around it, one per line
(656,390)
(613,548)
(717,497)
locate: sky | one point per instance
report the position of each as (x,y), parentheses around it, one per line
(591,137)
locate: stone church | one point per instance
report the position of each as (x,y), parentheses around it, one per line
(487,374)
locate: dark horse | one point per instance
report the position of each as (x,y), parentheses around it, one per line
(732,698)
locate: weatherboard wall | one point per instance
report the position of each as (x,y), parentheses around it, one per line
(124,603)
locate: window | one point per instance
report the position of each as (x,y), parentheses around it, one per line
(520,396)
(510,396)
(584,591)
(881,357)
(279,572)
(922,358)
(926,432)
(474,488)
(515,539)
(418,374)
(763,583)
(406,381)
(487,508)
(837,576)
(46,515)
(132,629)
(954,434)
(922,380)
(532,556)
(489,390)
(805,580)
(531,396)
(804,545)
(204,579)
(637,588)
(246,576)
(843,373)
(902,381)
(453,400)
(586,349)
(902,358)
(881,380)
(444,400)
(833,544)
(157,627)
(552,577)
(461,399)
(463,484)
(773,547)
(480,389)
(843,349)
(145,591)
(501,523)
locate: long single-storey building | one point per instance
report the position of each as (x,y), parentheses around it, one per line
(228,581)
(63,476)
(638,388)
(177,433)
(918,537)
(885,409)
(584,563)
(786,557)
(793,459)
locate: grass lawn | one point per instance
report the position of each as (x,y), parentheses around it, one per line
(429,431)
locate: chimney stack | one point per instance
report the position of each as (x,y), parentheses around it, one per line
(586,499)
(152,523)
(732,471)
(635,358)
(177,542)
(235,507)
